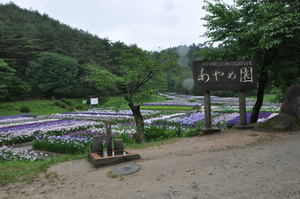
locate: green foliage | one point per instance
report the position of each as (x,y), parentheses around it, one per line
(79,107)
(192,132)
(26,34)
(24,109)
(126,138)
(102,79)
(60,104)
(264,31)
(37,107)
(60,147)
(6,75)
(154,133)
(116,103)
(24,171)
(53,74)
(173,108)
(68,102)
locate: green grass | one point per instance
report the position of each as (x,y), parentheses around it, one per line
(267,98)
(45,107)
(173,108)
(37,107)
(111,174)
(120,102)
(25,171)
(151,144)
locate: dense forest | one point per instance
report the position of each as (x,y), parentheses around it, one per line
(41,57)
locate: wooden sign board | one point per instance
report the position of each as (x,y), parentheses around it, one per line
(224,75)
(94,101)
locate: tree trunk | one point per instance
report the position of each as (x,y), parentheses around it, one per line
(139,121)
(260,96)
(269,57)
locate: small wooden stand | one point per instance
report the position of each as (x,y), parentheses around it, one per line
(115,150)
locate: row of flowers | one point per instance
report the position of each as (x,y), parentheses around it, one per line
(102,115)
(25,122)
(13,154)
(23,133)
(226,119)
(172,104)
(227,109)
(15,118)
(70,143)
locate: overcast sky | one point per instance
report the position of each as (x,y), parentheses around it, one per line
(151,24)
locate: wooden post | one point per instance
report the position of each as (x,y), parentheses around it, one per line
(97,145)
(242,106)
(118,147)
(207,110)
(109,139)
(101,150)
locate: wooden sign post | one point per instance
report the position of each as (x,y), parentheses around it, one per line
(224,75)
(207,110)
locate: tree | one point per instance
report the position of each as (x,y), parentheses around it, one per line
(260,30)
(6,75)
(53,74)
(136,69)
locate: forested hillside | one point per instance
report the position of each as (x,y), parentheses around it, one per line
(41,57)
(25,34)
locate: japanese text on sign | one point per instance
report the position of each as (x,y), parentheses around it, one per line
(224,75)
(246,75)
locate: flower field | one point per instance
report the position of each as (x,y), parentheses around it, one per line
(72,132)
(69,143)
(101,115)
(24,131)
(10,153)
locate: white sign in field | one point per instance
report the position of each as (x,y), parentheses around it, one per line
(94,101)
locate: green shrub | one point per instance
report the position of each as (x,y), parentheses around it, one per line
(79,107)
(126,138)
(193,100)
(59,103)
(191,132)
(70,108)
(24,109)
(61,146)
(67,102)
(154,133)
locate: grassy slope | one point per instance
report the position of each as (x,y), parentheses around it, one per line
(38,107)
(267,98)
(120,103)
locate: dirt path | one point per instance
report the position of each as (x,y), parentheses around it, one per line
(232,164)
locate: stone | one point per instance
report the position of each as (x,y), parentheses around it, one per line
(289,116)
(281,122)
(291,103)
(126,169)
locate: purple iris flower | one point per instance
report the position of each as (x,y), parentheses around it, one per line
(237,120)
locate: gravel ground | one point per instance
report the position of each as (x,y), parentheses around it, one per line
(232,164)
